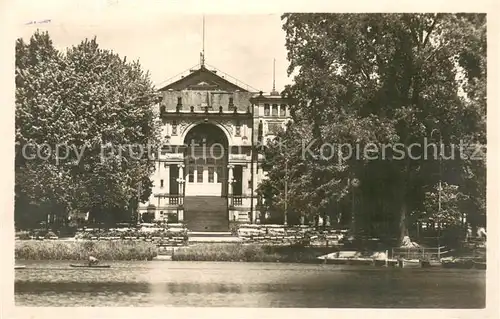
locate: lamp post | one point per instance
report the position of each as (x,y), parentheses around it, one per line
(439,185)
(139,192)
(354,183)
(285,220)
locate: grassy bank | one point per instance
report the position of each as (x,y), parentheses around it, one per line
(249,253)
(80,250)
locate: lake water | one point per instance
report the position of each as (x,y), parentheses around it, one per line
(205,284)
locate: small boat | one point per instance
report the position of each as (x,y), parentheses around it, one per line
(409,263)
(19,267)
(89,266)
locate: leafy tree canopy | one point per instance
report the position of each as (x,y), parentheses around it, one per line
(95,108)
(382,79)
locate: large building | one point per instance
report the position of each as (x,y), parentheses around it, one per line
(209,170)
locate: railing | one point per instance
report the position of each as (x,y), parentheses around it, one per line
(233,79)
(419,253)
(173,200)
(205,112)
(240,200)
(237,201)
(176,77)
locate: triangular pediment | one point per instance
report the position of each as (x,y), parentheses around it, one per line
(203,79)
(203,83)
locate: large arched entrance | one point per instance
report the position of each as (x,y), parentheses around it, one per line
(205,188)
(206,161)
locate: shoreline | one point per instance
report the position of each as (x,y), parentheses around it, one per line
(125,250)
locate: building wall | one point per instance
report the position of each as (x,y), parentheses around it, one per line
(201,99)
(206,109)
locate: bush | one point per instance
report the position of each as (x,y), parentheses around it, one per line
(80,250)
(223,252)
(36,233)
(249,253)
(163,232)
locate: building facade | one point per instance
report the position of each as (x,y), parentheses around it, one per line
(209,170)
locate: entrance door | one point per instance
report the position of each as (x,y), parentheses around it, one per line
(204,180)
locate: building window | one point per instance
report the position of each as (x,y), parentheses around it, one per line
(266,110)
(199,174)
(161,213)
(161,183)
(275,109)
(174,128)
(282,110)
(231,102)
(190,174)
(238,129)
(179,101)
(210,174)
(219,174)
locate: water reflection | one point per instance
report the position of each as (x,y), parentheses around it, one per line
(246,285)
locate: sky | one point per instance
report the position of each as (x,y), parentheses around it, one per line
(168,43)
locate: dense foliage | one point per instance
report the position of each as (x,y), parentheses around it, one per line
(80,250)
(249,253)
(376,80)
(82,117)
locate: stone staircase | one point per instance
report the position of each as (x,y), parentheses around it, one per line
(206,213)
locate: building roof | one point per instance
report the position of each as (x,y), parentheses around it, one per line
(203,79)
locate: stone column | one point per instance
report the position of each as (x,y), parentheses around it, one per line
(230,182)
(181,170)
(180,181)
(230,178)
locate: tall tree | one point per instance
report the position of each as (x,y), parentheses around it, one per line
(96,109)
(40,116)
(368,80)
(114,121)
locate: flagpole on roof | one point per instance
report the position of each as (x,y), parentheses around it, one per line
(202,54)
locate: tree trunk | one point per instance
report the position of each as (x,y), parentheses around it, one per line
(94,216)
(403,221)
(403,190)
(354,223)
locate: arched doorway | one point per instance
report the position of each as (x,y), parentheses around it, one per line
(206,155)
(205,187)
